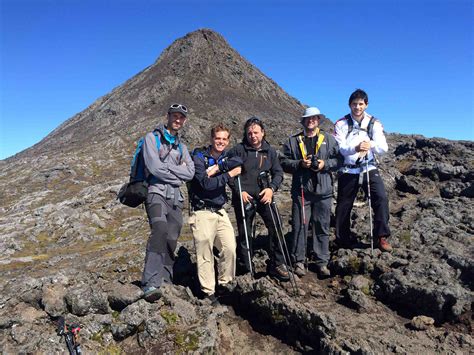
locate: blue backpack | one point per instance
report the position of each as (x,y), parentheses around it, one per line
(134,193)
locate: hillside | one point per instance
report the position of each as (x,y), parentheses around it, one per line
(69,248)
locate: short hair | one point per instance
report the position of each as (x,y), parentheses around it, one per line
(250,122)
(219,128)
(359,94)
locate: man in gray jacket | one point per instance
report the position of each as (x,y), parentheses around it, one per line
(168,165)
(310,156)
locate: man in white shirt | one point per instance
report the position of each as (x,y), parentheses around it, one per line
(360,137)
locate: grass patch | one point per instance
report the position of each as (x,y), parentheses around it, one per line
(169,317)
(187,341)
(354,264)
(405,237)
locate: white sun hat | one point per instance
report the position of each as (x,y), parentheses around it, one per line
(312,111)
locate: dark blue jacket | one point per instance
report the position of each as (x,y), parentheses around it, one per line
(210,191)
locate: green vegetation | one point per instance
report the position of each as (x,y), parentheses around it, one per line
(169,317)
(354,264)
(366,290)
(98,336)
(405,237)
(111,350)
(186,342)
(277,316)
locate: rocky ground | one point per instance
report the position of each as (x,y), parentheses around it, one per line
(68,248)
(82,257)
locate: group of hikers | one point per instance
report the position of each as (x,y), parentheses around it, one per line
(254,170)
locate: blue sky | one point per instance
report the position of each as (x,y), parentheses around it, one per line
(414,58)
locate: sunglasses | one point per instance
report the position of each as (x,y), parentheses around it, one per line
(179,106)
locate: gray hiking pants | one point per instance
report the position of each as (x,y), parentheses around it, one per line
(317,211)
(165,221)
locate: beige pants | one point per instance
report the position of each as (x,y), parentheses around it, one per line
(213,230)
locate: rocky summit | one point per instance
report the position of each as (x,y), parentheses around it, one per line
(69,249)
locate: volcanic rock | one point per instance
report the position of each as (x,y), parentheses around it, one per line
(69,248)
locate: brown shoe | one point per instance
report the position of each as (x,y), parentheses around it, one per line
(280,272)
(384,245)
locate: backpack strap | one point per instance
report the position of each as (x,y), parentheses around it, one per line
(319,143)
(350,124)
(199,152)
(302,146)
(370,127)
(158,140)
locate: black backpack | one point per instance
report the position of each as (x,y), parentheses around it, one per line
(370,126)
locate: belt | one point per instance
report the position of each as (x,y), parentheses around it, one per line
(360,165)
(212,209)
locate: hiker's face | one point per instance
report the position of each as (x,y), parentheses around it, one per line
(358,107)
(255,135)
(176,121)
(220,141)
(311,122)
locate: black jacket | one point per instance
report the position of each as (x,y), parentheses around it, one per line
(210,191)
(329,152)
(255,162)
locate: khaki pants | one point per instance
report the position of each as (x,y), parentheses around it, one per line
(211,229)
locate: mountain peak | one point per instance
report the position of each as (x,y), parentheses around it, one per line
(200,70)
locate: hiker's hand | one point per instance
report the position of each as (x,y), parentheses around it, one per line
(236,171)
(213,170)
(266,196)
(363,146)
(306,163)
(320,165)
(246,197)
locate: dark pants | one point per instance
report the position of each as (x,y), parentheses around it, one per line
(317,210)
(276,257)
(165,221)
(348,186)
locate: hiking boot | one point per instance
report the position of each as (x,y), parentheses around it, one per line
(151,294)
(299,269)
(384,245)
(225,289)
(323,271)
(280,272)
(243,269)
(213,299)
(347,243)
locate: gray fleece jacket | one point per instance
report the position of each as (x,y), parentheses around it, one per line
(171,166)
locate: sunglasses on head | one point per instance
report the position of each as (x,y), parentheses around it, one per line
(179,106)
(254,120)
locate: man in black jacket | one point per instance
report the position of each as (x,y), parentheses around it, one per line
(209,221)
(310,156)
(258,157)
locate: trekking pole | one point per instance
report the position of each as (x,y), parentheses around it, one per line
(286,247)
(282,244)
(245,226)
(305,234)
(370,206)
